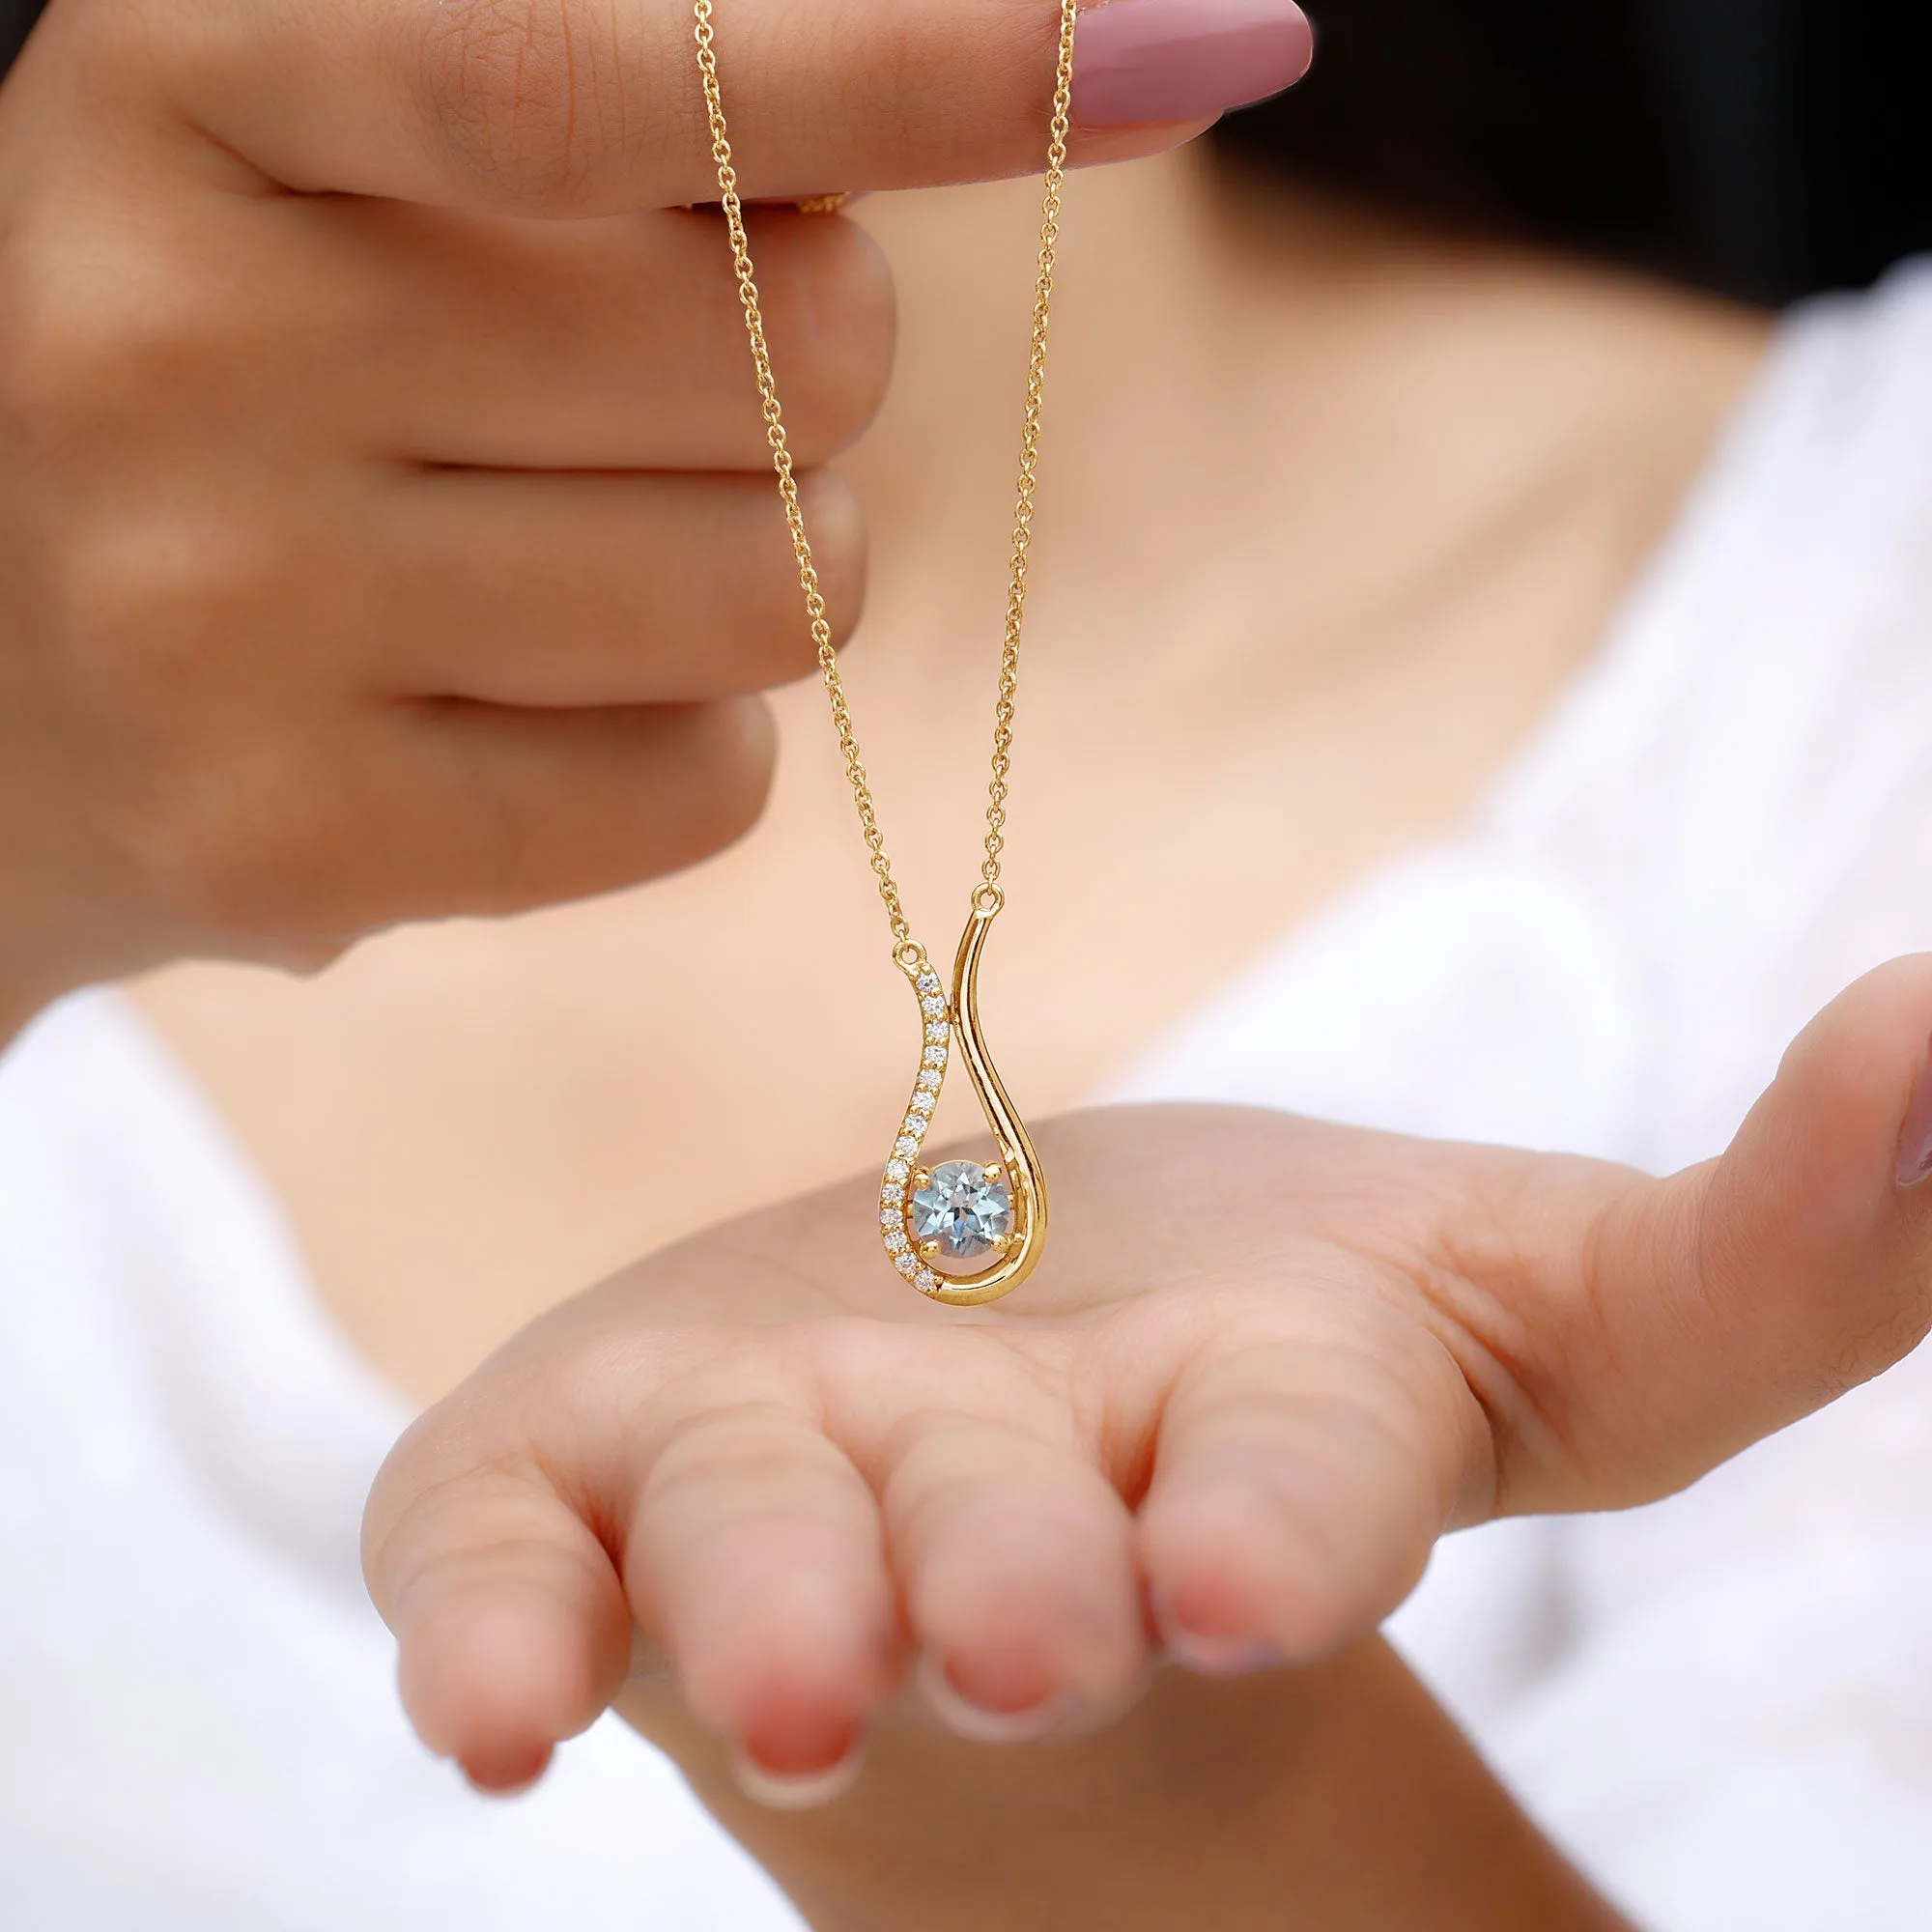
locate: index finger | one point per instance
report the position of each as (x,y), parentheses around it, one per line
(563,107)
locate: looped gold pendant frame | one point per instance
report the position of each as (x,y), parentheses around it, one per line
(957,1032)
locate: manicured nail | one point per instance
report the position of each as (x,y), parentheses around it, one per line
(1210,1653)
(1137,62)
(965,1719)
(796,1791)
(1915,1138)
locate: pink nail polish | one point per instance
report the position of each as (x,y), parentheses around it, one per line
(975,1722)
(1209,1653)
(1915,1138)
(796,1791)
(1141,62)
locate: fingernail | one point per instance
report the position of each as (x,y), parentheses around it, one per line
(1915,1138)
(792,1790)
(1212,1653)
(1137,62)
(965,1719)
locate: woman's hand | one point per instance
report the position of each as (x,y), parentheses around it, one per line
(1265,1364)
(385,515)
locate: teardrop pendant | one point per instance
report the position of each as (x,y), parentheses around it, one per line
(962,1211)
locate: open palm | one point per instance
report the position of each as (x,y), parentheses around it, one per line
(1265,1364)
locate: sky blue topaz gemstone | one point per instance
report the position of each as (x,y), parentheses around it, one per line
(967,1215)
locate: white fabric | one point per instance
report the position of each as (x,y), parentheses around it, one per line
(198,1725)
(1722,1705)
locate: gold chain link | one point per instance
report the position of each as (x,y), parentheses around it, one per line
(987,893)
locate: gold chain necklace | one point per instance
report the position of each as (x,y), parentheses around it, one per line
(961,1212)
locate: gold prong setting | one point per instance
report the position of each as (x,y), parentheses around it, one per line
(963,1211)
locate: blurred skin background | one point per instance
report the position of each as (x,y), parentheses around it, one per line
(1367,415)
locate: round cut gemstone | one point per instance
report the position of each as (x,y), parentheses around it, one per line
(967,1215)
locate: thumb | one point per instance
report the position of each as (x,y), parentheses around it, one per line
(1737,1297)
(566,107)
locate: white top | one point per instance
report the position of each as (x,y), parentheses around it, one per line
(1723,1704)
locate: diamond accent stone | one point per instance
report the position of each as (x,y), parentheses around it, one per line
(935,1056)
(937,1033)
(895,1241)
(905,1264)
(915,1124)
(928,1280)
(923,1102)
(906,1145)
(930,1078)
(933,1006)
(897,1169)
(927,982)
(891,1217)
(966,1213)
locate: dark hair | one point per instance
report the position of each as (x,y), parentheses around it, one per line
(1762,148)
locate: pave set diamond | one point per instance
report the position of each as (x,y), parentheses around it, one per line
(898,1242)
(959,1210)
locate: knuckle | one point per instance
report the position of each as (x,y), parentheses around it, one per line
(58,370)
(98,345)
(162,624)
(517,92)
(157,613)
(202,849)
(232,852)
